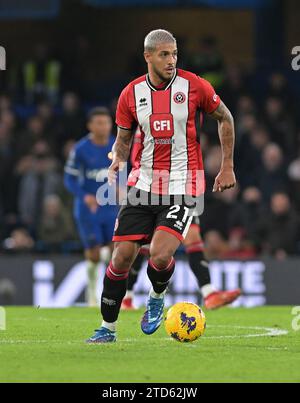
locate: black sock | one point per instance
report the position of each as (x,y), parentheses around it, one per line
(160,277)
(134,271)
(114,290)
(199,267)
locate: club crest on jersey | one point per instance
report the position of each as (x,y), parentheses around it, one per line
(179,97)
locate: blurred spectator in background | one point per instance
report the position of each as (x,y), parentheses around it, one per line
(280,125)
(249,152)
(41,76)
(19,241)
(39,177)
(45,111)
(272,176)
(233,87)
(215,245)
(55,226)
(252,209)
(294,177)
(34,132)
(7,161)
(239,246)
(207,61)
(278,88)
(72,121)
(78,58)
(278,232)
(245,110)
(222,212)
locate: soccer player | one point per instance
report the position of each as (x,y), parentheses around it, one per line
(163,103)
(85,171)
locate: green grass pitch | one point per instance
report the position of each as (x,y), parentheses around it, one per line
(47,345)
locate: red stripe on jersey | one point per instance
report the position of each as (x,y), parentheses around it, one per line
(161,108)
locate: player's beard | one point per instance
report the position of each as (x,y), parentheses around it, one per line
(161,77)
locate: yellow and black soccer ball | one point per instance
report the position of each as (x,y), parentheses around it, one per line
(185,322)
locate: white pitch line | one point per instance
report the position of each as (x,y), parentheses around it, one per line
(268,332)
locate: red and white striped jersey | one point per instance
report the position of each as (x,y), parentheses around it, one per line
(168,159)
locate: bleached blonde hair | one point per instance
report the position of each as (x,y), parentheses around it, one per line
(156,37)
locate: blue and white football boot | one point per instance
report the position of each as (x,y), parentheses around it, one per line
(102,335)
(153,316)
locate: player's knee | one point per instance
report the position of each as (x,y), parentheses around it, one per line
(122,258)
(161,258)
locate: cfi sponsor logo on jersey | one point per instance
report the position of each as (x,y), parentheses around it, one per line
(161,125)
(99,175)
(179,97)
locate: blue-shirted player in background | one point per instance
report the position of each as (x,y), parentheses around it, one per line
(85,171)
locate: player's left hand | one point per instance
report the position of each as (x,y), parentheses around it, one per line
(224,180)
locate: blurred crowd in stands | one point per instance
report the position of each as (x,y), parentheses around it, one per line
(43,113)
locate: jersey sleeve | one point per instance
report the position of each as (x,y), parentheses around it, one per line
(124,116)
(73,164)
(207,97)
(72,173)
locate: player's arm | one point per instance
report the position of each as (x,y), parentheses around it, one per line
(73,184)
(120,153)
(226,177)
(71,175)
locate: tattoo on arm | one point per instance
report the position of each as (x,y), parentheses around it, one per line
(122,145)
(226,132)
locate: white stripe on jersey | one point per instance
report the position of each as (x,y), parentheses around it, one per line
(179,154)
(143,111)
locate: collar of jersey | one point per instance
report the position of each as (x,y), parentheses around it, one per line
(151,86)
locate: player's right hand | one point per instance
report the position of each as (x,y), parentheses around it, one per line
(115,166)
(91,201)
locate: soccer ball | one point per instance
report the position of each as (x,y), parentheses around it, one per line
(185,322)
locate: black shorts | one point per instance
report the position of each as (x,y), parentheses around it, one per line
(139,222)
